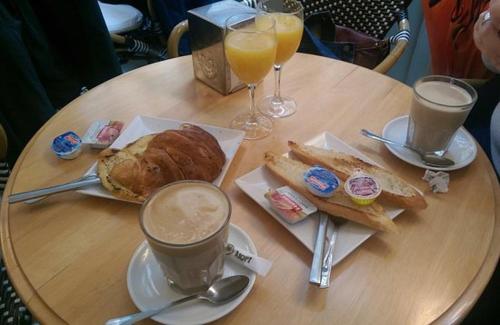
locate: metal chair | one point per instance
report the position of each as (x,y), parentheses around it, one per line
(122,21)
(370,17)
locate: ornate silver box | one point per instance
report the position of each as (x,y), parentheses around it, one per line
(206,30)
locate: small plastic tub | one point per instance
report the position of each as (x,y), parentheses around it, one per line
(290,205)
(67,145)
(362,188)
(320,181)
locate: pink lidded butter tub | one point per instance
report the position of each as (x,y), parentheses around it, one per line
(362,188)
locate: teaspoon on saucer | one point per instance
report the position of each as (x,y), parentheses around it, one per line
(431,160)
(221,291)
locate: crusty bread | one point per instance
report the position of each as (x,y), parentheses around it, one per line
(122,159)
(155,160)
(291,172)
(395,190)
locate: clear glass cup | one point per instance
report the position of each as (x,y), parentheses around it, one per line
(289,16)
(439,107)
(250,47)
(186,224)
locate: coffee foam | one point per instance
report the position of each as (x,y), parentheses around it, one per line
(442,93)
(185,213)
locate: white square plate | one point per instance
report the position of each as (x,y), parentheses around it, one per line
(229,140)
(350,234)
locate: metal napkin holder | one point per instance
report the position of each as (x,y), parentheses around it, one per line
(206,30)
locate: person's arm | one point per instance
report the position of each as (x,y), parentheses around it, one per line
(487,36)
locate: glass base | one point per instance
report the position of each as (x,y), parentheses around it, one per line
(255,128)
(188,291)
(277,107)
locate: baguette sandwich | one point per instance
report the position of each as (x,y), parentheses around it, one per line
(395,190)
(291,172)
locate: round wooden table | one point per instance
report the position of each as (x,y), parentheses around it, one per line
(68,255)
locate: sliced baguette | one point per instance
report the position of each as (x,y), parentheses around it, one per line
(291,172)
(395,190)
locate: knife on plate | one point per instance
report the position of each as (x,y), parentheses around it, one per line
(317,263)
(86,180)
(326,267)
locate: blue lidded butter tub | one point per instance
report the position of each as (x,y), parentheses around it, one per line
(67,145)
(320,181)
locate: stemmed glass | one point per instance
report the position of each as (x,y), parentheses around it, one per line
(250,46)
(289,16)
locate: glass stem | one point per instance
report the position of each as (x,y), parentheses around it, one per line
(253,115)
(277,81)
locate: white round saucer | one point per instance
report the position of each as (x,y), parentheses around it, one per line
(462,149)
(148,287)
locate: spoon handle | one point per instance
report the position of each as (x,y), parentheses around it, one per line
(369,134)
(133,318)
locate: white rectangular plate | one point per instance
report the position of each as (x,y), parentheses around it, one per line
(229,140)
(350,234)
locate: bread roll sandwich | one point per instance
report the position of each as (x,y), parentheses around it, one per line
(291,172)
(395,190)
(152,161)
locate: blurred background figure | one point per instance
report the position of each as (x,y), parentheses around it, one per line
(487,39)
(487,36)
(51,51)
(450,25)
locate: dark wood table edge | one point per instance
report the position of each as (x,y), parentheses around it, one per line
(461,307)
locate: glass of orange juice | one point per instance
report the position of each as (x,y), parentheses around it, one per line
(250,47)
(289,17)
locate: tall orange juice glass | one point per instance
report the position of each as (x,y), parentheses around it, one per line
(250,49)
(289,17)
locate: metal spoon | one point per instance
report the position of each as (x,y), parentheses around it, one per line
(428,159)
(222,291)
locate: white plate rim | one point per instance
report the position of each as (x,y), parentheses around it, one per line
(238,135)
(143,246)
(410,159)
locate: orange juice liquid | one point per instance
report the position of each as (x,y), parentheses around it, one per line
(250,55)
(289,30)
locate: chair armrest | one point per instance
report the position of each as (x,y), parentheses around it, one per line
(392,58)
(118,39)
(400,40)
(3,143)
(174,38)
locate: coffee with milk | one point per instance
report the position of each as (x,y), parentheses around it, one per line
(186,225)
(440,106)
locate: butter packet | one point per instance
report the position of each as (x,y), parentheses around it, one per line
(101,134)
(290,205)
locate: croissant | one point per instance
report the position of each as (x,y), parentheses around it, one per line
(152,161)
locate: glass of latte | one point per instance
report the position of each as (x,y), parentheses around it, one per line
(186,225)
(439,107)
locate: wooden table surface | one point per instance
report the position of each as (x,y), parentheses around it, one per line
(68,255)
